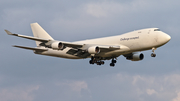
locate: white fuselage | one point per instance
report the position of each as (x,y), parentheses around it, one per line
(134,41)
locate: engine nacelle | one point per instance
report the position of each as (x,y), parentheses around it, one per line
(57,45)
(93,50)
(135,57)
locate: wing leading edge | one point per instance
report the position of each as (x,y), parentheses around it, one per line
(28,37)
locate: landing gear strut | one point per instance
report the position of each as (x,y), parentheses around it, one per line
(113,62)
(92,60)
(153,54)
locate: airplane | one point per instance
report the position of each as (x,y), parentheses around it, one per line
(100,49)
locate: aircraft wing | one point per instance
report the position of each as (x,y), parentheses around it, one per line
(77,49)
(81,46)
(31,48)
(67,44)
(28,37)
(82,50)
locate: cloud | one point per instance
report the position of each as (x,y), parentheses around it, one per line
(137,87)
(103,9)
(120,86)
(151,91)
(18,93)
(115,8)
(75,85)
(177,98)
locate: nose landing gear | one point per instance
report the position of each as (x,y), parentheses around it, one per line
(153,54)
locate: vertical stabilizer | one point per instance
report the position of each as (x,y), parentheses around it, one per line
(39,32)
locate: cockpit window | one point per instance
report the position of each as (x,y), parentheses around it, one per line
(157,30)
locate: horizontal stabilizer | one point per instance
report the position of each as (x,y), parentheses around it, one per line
(31,48)
(27,37)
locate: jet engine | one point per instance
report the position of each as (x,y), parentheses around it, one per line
(135,57)
(57,45)
(93,50)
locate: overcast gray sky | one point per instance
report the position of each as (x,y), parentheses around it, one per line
(25,76)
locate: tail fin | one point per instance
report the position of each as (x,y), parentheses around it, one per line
(39,32)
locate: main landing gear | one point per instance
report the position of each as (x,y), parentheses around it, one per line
(153,54)
(98,62)
(113,62)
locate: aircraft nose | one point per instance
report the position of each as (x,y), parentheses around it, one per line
(164,38)
(167,37)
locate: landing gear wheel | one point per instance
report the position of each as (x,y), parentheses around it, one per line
(102,62)
(114,61)
(153,55)
(98,63)
(91,62)
(112,64)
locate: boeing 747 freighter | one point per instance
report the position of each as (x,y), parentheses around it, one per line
(107,48)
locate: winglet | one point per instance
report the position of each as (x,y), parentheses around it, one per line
(9,33)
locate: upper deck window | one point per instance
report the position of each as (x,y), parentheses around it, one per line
(157,30)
